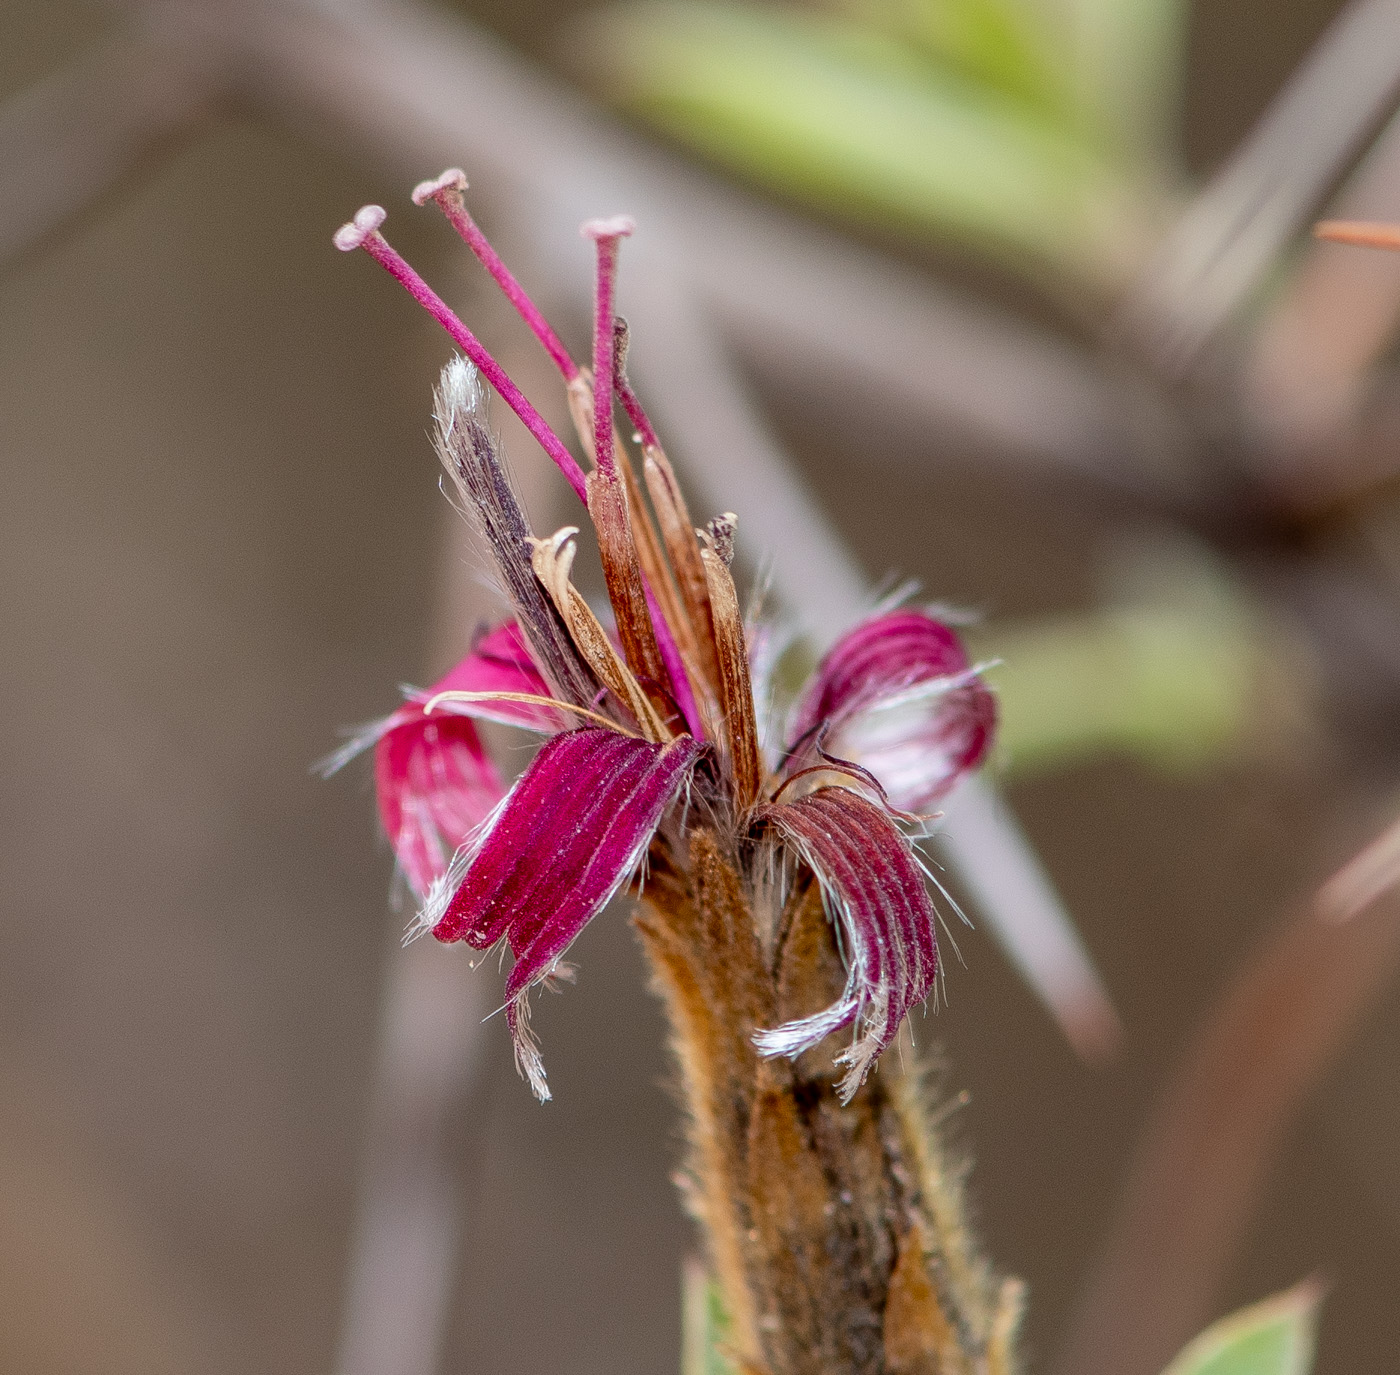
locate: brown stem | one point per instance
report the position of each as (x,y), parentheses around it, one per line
(835,1235)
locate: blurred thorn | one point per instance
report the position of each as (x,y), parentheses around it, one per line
(828,320)
(1218,1125)
(1362,233)
(1229,238)
(1362,881)
(72,136)
(1310,370)
(997,865)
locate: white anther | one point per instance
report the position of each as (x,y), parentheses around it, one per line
(619,226)
(453,178)
(367,220)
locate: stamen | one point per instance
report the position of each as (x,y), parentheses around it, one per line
(630,402)
(675,663)
(605,233)
(446,192)
(363,232)
(531,698)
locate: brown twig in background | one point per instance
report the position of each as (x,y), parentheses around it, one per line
(1220,1122)
(1214,258)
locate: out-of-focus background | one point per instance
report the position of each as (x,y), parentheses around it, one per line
(222,540)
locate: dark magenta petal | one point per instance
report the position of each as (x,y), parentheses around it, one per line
(898,696)
(572,831)
(875,890)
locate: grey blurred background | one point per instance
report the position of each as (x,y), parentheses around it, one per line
(222,540)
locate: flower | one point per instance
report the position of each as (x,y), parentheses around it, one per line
(654,730)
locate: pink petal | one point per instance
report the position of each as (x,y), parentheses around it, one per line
(436,784)
(572,831)
(434,779)
(873,887)
(898,696)
(498,662)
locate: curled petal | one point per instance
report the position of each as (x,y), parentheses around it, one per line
(875,891)
(898,696)
(572,832)
(434,780)
(435,784)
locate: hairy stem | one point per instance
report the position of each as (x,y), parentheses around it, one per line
(834,1234)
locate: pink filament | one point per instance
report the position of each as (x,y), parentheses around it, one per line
(675,665)
(379,248)
(449,201)
(604,355)
(635,413)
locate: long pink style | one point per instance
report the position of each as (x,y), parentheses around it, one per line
(363,232)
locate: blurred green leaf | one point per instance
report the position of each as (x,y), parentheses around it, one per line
(855,121)
(1185,673)
(704,1323)
(1275,1337)
(1007,45)
(1128,63)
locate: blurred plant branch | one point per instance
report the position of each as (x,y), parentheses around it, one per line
(66,140)
(1221,1119)
(1214,259)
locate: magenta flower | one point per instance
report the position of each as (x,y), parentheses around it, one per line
(654,730)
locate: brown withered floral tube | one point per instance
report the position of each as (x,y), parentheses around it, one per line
(835,1233)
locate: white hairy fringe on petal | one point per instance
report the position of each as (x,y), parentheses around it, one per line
(862,1001)
(528,1060)
(885,736)
(360,739)
(927,688)
(440,895)
(861,1053)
